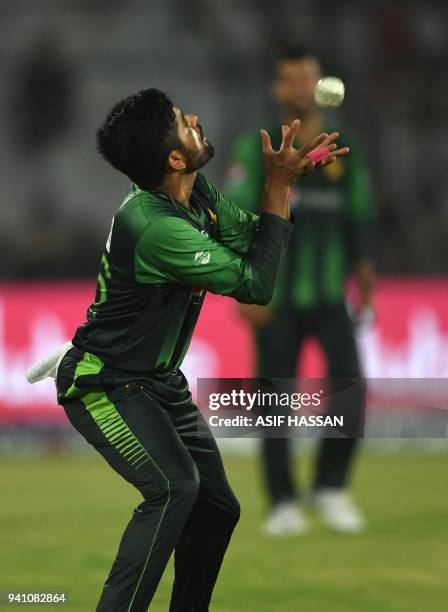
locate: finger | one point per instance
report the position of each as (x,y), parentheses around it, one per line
(285,129)
(325,162)
(333,157)
(329,141)
(326,144)
(321,153)
(317,155)
(341,151)
(290,136)
(313,144)
(266,141)
(330,138)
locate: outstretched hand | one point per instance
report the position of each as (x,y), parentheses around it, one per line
(288,164)
(325,153)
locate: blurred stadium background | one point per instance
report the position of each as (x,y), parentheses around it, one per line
(63,65)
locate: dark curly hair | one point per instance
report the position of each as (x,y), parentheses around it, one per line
(137,136)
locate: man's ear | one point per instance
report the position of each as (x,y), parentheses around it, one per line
(176,160)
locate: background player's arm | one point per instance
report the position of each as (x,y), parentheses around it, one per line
(359,227)
(245,176)
(244,186)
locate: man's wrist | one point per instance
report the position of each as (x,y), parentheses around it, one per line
(276,187)
(276,198)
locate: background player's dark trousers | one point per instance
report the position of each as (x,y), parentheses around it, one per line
(278,348)
(188,504)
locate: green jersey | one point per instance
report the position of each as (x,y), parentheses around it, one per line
(159,260)
(332,219)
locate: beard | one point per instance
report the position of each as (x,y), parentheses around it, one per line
(195,160)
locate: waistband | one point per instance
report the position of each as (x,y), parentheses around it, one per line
(85,371)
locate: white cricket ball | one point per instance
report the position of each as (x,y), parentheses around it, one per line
(329,92)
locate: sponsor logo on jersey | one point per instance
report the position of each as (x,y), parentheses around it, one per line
(322,200)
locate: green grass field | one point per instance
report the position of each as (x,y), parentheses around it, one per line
(61,520)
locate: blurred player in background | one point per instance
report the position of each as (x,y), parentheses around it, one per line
(329,241)
(173,238)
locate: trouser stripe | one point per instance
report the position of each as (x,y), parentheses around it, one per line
(102,409)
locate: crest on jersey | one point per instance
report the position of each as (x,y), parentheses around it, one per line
(213,216)
(202,257)
(334,171)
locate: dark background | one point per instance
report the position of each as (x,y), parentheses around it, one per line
(63,64)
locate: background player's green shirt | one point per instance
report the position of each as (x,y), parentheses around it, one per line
(332,221)
(159,260)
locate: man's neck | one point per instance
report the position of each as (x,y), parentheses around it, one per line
(310,124)
(179,186)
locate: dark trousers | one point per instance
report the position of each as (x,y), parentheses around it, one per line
(278,348)
(188,505)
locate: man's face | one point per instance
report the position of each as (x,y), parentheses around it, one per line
(197,150)
(294,84)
